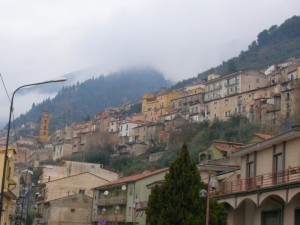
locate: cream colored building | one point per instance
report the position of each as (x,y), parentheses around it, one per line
(70,168)
(69,210)
(63,187)
(266,190)
(234,83)
(8,208)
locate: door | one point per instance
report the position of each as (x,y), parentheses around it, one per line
(297,216)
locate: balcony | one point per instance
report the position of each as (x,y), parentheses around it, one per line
(117,200)
(111,218)
(264,181)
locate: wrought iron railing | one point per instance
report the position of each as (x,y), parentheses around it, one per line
(268,180)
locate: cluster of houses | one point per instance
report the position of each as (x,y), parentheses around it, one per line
(259,181)
(267,98)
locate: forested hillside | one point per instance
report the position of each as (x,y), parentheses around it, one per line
(272,46)
(81,101)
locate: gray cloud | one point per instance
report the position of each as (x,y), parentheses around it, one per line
(41,40)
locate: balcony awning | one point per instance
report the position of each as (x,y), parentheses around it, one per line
(12,182)
(10,195)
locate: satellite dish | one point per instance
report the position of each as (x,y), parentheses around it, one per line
(123,187)
(105,192)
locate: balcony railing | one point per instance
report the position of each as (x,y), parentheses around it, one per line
(268,180)
(117,200)
(110,218)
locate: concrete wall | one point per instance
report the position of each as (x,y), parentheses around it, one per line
(70,168)
(72,185)
(73,209)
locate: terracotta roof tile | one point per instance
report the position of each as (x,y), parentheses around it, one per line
(134,177)
(263,136)
(224,146)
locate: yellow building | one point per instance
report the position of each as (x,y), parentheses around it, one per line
(161,100)
(9,184)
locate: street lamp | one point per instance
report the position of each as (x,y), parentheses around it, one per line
(211,185)
(117,209)
(8,130)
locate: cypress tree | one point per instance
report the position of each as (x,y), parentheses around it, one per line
(177,201)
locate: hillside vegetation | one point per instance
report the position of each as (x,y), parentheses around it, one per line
(80,102)
(272,46)
(197,136)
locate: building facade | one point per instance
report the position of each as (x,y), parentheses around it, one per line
(266,190)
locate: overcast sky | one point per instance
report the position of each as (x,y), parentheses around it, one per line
(42,40)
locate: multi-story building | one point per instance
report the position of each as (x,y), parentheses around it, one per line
(70,168)
(8,206)
(62,150)
(161,100)
(51,192)
(187,99)
(219,149)
(234,83)
(68,210)
(80,134)
(153,131)
(124,201)
(266,190)
(154,115)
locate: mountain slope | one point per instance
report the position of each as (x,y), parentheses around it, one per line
(272,46)
(83,100)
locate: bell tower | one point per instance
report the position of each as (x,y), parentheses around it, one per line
(44,127)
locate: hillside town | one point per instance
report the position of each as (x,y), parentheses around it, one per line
(261,176)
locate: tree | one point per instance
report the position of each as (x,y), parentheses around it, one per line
(177,200)
(232,68)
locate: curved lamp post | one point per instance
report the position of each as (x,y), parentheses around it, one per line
(211,185)
(8,130)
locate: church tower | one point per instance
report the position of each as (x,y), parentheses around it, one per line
(44,127)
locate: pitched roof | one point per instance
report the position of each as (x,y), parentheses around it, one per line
(133,178)
(263,136)
(74,176)
(224,146)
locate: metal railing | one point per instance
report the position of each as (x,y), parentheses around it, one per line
(268,180)
(110,218)
(117,200)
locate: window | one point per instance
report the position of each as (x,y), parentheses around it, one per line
(129,211)
(81,191)
(277,165)
(250,175)
(257,80)
(271,218)
(72,210)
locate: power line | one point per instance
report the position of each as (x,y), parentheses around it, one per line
(15,136)
(5,87)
